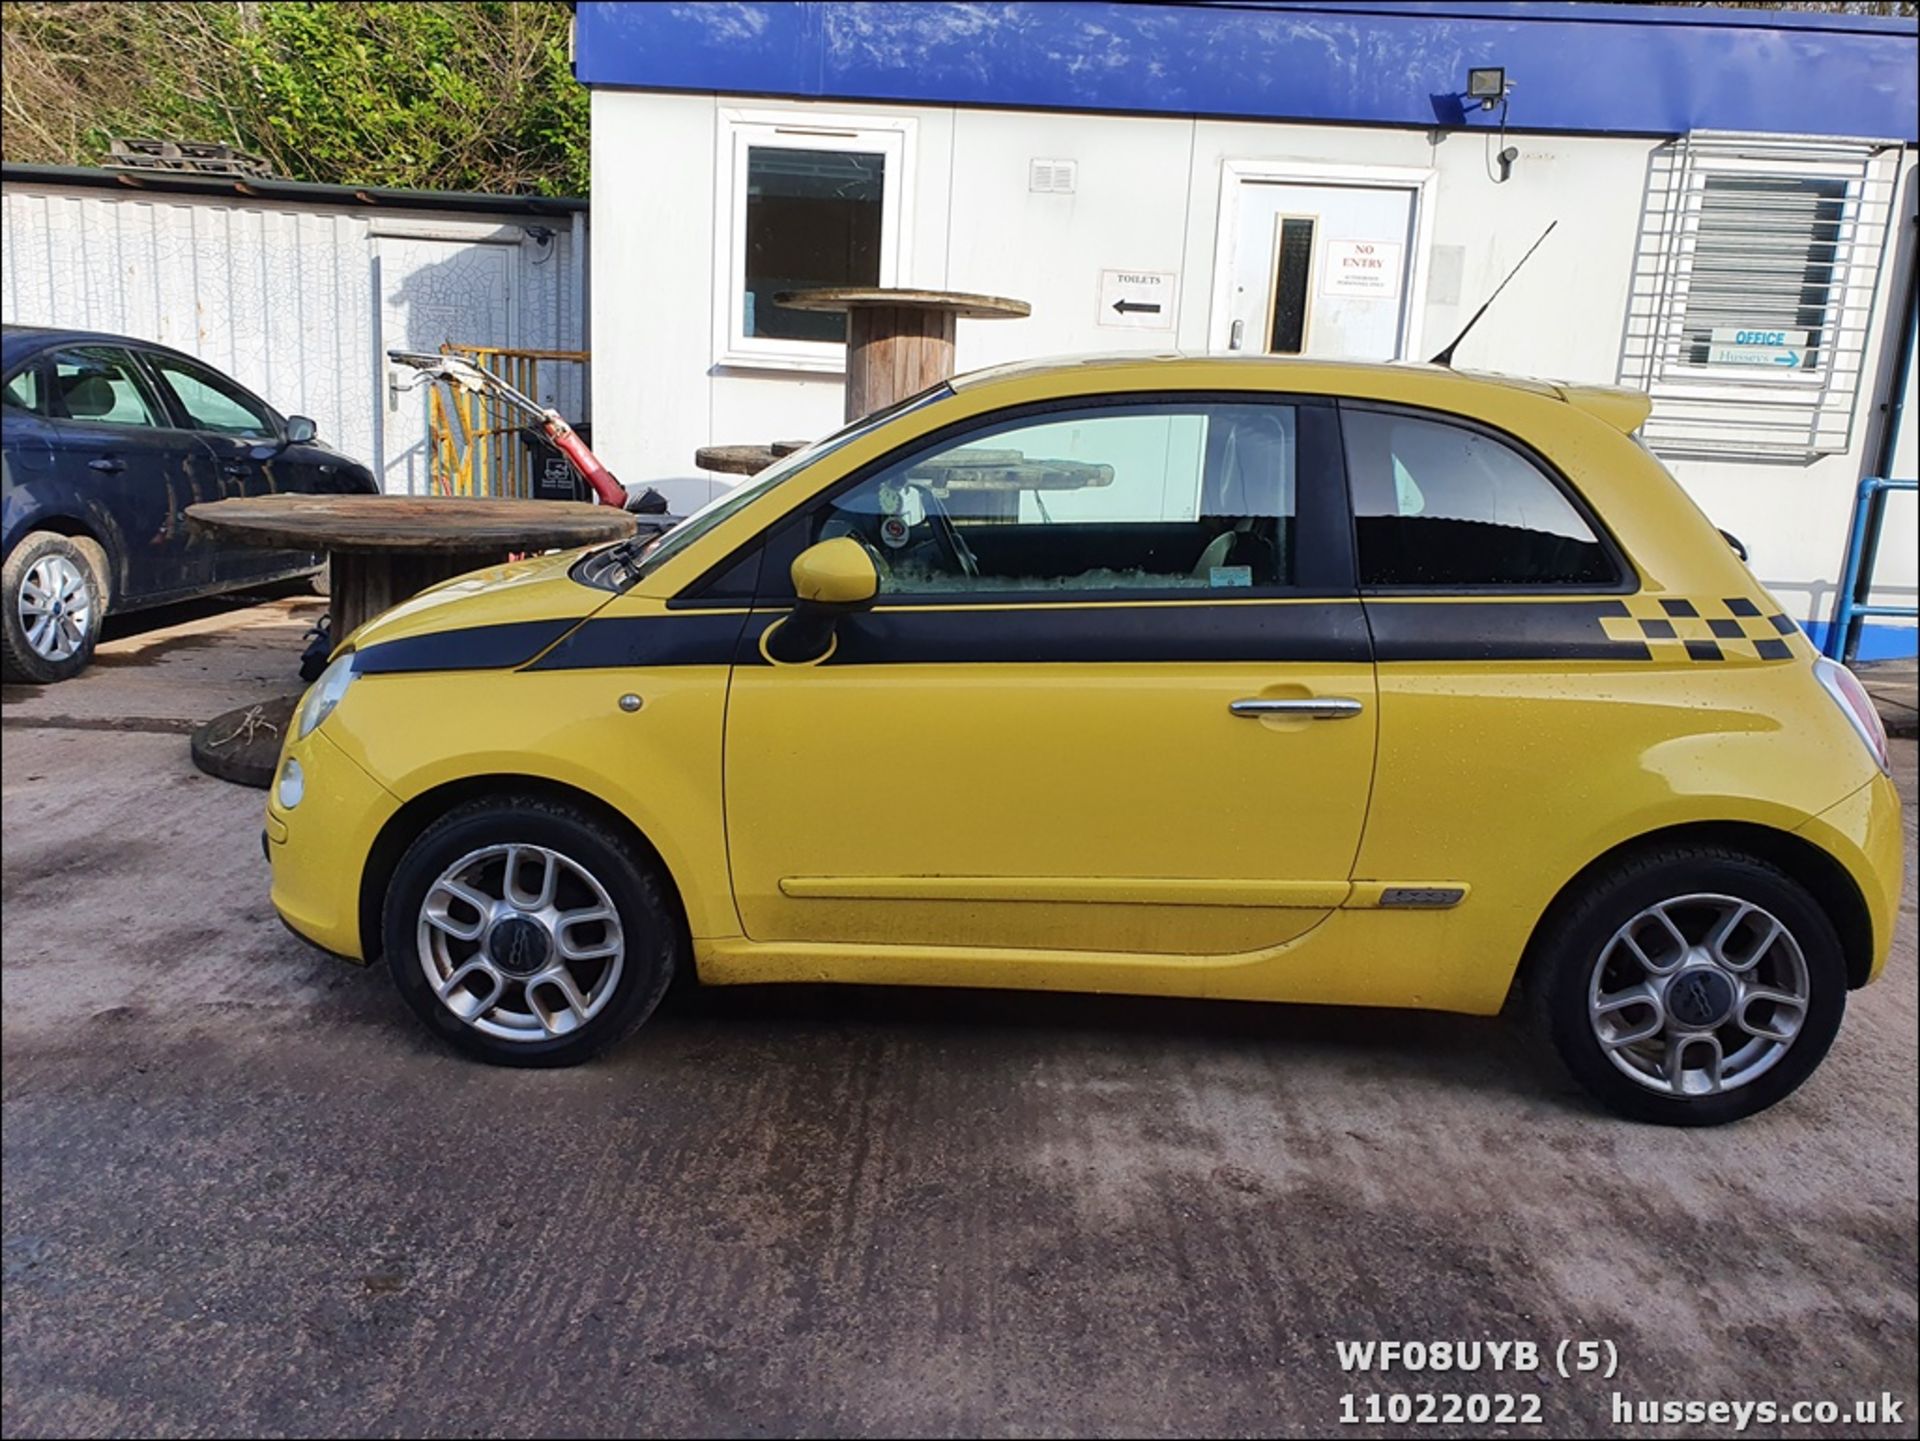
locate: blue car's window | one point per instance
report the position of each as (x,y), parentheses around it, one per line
(23,390)
(102,386)
(212,403)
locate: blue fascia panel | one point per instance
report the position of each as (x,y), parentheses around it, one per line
(1575,68)
(1879,639)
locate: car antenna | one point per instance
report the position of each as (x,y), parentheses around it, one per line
(1445,357)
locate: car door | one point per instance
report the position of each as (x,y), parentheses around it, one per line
(246,439)
(115,441)
(1116,694)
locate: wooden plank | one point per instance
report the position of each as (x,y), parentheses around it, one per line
(359,523)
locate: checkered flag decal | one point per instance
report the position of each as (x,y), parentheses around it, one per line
(1711,630)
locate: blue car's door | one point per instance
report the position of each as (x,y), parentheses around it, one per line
(249,453)
(114,440)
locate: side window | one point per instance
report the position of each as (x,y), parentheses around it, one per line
(212,403)
(1111,499)
(23,390)
(1440,505)
(103,386)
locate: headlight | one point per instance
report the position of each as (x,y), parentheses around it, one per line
(293,784)
(326,693)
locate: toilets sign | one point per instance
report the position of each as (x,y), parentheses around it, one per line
(1758,345)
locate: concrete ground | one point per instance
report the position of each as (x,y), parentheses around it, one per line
(244,1193)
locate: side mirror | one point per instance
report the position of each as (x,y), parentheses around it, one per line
(832,579)
(300,430)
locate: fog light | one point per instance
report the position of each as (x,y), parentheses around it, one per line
(293,784)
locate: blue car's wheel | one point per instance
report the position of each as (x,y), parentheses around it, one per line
(55,603)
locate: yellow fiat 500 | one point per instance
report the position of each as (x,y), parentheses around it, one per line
(1270,680)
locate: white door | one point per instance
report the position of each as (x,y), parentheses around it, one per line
(432,292)
(1321,269)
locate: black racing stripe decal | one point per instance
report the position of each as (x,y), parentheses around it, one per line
(1499,630)
(1740,605)
(1782,623)
(1727,629)
(1333,631)
(1704,650)
(1681,608)
(480,647)
(1773,650)
(623,642)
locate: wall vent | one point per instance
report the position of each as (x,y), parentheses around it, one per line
(1051,177)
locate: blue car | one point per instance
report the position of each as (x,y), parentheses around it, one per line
(107,441)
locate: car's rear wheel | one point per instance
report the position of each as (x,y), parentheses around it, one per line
(56,599)
(1690,986)
(527,933)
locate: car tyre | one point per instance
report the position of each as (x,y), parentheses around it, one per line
(529,1021)
(48,573)
(1701,918)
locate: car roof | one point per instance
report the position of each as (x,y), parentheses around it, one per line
(19,341)
(1619,407)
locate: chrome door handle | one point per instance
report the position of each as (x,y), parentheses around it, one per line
(1317,708)
(1233,335)
(107,465)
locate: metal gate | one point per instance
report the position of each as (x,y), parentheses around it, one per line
(480,447)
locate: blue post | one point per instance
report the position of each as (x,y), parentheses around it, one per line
(1856,576)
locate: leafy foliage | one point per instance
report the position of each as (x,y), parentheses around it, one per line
(435,94)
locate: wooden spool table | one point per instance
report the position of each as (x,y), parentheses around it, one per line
(384,548)
(899,341)
(745,459)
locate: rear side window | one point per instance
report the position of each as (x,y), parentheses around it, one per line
(23,390)
(102,386)
(1439,505)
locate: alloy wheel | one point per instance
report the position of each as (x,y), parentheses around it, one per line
(1699,995)
(520,942)
(56,612)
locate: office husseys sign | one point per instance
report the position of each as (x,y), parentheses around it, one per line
(1774,349)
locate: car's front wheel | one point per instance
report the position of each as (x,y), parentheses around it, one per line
(55,598)
(527,933)
(1690,986)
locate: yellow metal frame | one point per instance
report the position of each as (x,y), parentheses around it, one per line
(472,439)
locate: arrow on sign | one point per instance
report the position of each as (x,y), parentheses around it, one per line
(1792,357)
(1142,307)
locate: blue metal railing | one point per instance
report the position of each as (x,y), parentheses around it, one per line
(1856,578)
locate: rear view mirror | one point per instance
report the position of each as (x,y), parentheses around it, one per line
(832,579)
(300,430)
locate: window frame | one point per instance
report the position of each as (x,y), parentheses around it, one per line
(1627,574)
(739,132)
(156,402)
(183,418)
(1323,555)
